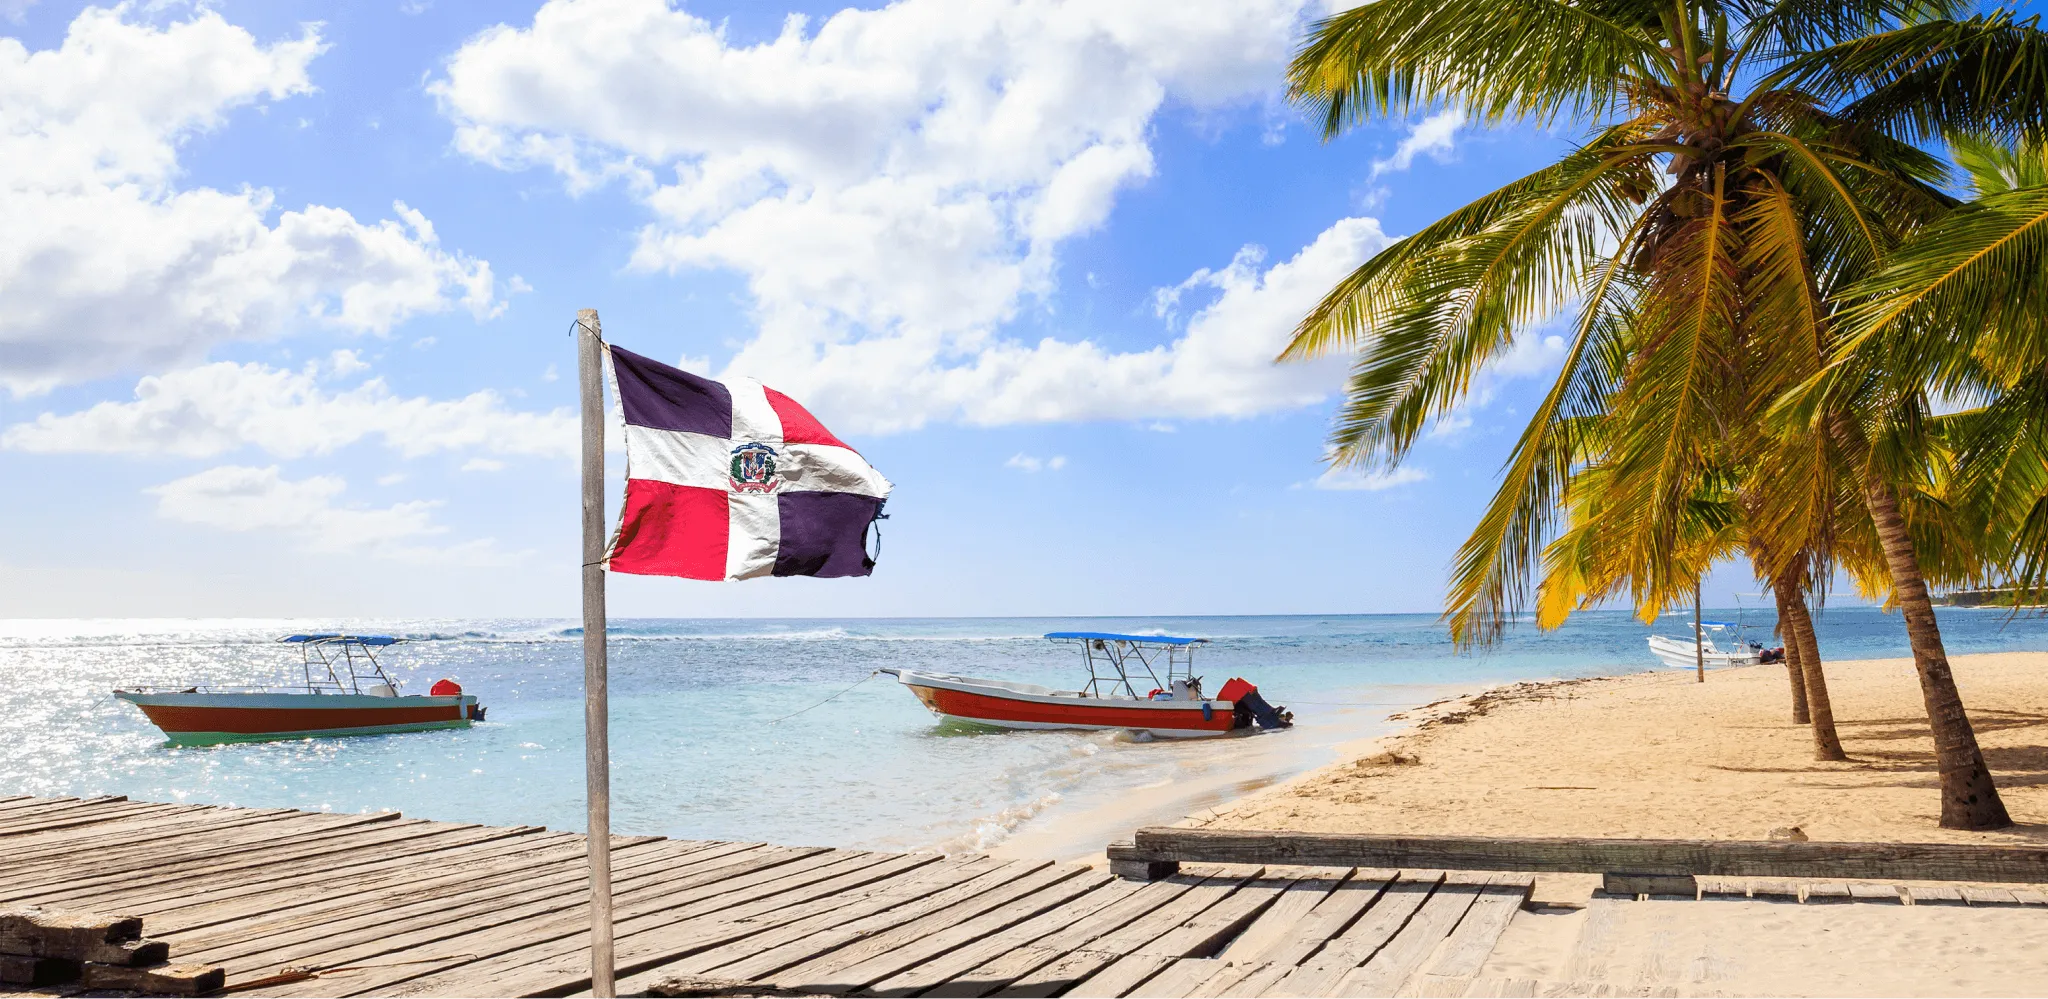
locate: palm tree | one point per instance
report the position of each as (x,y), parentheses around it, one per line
(1745,162)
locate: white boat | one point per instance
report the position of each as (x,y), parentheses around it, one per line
(1174,709)
(1680,653)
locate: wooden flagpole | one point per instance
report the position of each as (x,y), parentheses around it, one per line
(597,764)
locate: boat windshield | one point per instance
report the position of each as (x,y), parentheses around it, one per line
(1112,660)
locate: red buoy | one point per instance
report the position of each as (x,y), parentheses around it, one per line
(445,688)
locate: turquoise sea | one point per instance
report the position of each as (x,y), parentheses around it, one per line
(719,731)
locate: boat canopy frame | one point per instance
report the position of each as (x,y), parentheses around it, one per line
(1112,659)
(340,663)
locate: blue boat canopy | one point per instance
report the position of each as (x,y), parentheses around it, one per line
(377,640)
(1105,636)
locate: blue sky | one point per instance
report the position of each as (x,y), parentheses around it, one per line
(290,286)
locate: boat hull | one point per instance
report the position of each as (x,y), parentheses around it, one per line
(1680,654)
(1023,706)
(197,719)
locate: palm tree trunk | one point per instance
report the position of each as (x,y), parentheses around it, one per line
(1793,659)
(1969,800)
(1826,744)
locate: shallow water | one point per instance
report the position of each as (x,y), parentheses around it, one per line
(719,731)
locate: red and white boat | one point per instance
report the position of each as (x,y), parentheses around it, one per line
(346,692)
(1174,708)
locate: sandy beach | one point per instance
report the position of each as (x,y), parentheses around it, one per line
(1660,755)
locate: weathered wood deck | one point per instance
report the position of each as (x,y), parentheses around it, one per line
(386,905)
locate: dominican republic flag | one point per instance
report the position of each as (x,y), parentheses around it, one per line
(733,480)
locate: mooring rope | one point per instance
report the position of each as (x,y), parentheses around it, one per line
(801,710)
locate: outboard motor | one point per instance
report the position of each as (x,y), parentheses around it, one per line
(1251,708)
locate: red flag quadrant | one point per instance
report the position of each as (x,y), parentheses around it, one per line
(733,480)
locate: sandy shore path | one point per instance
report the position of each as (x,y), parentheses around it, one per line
(1659,755)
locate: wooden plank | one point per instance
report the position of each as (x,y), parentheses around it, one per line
(507,850)
(1876,893)
(647,958)
(494,927)
(1179,978)
(1727,858)
(302,935)
(1199,937)
(562,930)
(2030,896)
(243,862)
(907,956)
(1064,971)
(190,854)
(648,939)
(127,835)
(1597,943)
(1338,912)
(1774,891)
(827,973)
(1934,895)
(1279,921)
(1825,894)
(28,824)
(1003,970)
(963,960)
(823,927)
(422,846)
(1386,971)
(1466,949)
(1988,896)
(1403,902)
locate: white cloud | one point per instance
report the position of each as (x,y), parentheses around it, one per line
(216,408)
(1435,136)
(894,184)
(117,268)
(1348,478)
(483,465)
(1028,463)
(240,498)
(15,10)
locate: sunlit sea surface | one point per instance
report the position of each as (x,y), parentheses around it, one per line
(718,730)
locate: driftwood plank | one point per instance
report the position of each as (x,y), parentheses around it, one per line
(1726,858)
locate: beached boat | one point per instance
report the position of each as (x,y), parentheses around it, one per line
(1174,707)
(346,692)
(1680,653)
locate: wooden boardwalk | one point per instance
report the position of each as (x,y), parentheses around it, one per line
(386,905)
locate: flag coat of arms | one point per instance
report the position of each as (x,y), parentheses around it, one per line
(734,480)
